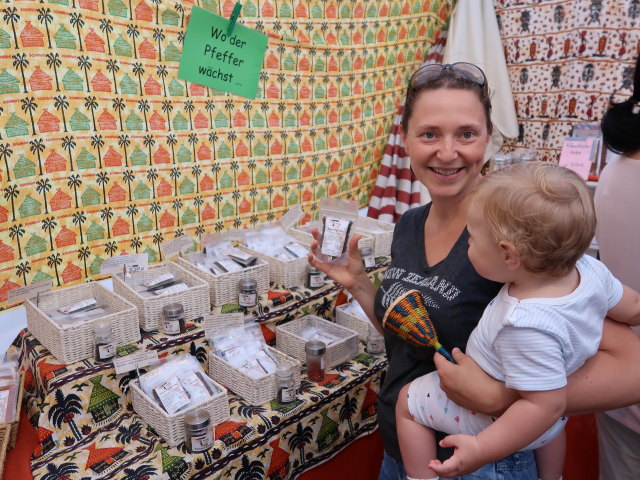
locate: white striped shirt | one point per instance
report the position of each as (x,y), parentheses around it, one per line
(533,344)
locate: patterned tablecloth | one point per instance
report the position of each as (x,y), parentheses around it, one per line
(87,428)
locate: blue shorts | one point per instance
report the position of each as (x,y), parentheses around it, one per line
(519,466)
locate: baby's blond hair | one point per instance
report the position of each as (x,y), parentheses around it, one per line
(543,209)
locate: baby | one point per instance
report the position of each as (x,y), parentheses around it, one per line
(529,227)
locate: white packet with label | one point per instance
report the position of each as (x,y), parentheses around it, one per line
(337,218)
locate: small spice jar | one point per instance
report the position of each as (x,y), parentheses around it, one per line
(285,385)
(105,349)
(375,342)
(315,278)
(315,350)
(500,160)
(367,257)
(247,292)
(528,156)
(198,435)
(173,322)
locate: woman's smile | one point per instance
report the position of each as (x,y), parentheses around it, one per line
(446,172)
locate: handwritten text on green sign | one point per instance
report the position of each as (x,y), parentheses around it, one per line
(212,58)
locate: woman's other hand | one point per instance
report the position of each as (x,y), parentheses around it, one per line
(470,387)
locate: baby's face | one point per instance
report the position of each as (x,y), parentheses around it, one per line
(486,256)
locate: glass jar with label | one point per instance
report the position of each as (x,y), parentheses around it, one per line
(315,352)
(247,292)
(173,322)
(528,156)
(375,342)
(285,386)
(198,435)
(367,257)
(315,278)
(105,348)
(500,160)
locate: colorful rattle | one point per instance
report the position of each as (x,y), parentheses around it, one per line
(407,317)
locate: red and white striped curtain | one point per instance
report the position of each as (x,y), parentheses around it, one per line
(397,189)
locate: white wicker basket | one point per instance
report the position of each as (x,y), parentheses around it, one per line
(290,342)
(4,446)
(75,343)
(171,427)
(195,299)
(303,235)
(381,240)
(286,273)
(224,288)
(353,322)
(9,430)
(255,391)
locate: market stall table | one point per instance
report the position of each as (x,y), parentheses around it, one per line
(86,426)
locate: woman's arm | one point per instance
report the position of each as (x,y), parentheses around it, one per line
(627,310)
(609,379)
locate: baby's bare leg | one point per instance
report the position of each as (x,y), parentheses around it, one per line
(550,458)
(417,442)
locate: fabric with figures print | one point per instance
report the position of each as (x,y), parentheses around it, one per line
(104,151)
(565,58)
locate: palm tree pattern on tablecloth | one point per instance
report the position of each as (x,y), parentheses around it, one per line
(87,427)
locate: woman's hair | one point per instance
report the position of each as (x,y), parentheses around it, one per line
(543,209)
(621,122)
(448,80)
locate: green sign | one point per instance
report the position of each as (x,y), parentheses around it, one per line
(228,62)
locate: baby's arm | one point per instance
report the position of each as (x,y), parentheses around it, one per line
(523,422)
(627,310)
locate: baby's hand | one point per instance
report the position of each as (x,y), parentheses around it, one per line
(466,458)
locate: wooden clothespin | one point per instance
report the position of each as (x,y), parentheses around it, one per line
(234,17)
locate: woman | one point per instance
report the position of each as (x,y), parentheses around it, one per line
(446,129)
(617,202)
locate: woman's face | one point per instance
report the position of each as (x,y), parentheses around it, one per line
(446,139)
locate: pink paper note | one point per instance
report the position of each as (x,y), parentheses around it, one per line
(577,155)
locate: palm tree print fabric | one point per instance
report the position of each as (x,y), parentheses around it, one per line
(104,151)
(87,428)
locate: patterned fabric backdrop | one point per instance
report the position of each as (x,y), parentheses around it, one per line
(103,150)
(565,59)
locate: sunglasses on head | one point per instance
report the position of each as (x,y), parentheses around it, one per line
(463,70)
